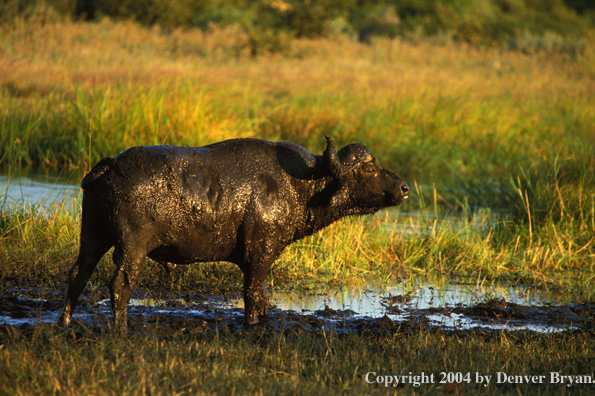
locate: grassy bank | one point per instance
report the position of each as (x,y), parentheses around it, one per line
(44,360)
(74,93)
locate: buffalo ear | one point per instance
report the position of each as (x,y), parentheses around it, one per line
(340,197)
(331,159)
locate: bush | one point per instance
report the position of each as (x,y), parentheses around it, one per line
(547,24)
(171,13)
(267,41)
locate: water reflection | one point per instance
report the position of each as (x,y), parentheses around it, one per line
(452,306)
(376,299)
(401,302)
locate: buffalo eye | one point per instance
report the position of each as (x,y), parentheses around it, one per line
(370,170)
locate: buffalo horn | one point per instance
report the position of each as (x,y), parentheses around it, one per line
(332,159)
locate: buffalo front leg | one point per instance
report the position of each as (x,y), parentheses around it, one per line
(128,268)
(256,299)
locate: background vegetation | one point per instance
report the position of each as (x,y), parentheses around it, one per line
(469,127)
(512,23)
(486,108)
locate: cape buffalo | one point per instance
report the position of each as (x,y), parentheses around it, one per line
(240,200)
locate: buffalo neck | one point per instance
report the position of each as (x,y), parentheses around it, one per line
(321,210)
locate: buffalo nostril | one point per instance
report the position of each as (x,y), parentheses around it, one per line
(404,188)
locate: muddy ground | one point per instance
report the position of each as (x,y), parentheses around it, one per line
(24,303)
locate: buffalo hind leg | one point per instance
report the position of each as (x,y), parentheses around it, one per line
(256,299)
(78,276)
(128,269)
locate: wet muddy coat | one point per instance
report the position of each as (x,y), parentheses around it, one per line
(241,201)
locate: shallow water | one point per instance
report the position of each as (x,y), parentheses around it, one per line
(402,302)
(453,306)
(26,188)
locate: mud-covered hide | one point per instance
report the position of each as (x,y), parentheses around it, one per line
(241,201)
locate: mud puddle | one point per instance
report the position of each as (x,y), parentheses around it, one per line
(457,307)
(450,306)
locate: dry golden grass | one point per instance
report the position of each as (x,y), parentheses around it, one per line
(92,55)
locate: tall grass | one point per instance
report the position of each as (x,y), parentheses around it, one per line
(446,110)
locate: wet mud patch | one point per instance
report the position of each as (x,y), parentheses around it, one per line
(24,304)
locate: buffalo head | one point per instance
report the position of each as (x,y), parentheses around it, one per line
(362,183)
